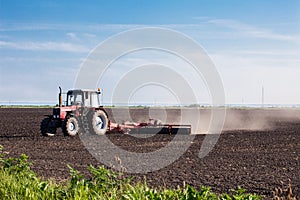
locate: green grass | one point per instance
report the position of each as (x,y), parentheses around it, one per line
(18,181)
(27,106)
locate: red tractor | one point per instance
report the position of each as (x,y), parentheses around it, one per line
(81,112)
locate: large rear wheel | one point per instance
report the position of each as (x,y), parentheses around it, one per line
(70,126)
(99,122)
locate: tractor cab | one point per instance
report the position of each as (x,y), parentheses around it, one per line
(83,98)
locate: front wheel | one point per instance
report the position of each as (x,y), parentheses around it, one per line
(48,127)
(70,126)
(99,122)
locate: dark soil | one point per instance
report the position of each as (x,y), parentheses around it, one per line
(257,160)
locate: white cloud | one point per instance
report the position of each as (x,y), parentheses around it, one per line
(249,30)
(244,68)
(48,46)
(245,30)
(72,36)
(4,36)
(201,18)
(18,59)
(244,74)
(89,35)
(30,26)
(4,27)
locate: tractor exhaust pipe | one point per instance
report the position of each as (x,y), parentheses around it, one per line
(60,97)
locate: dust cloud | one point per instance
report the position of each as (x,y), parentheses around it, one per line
(249,119)
(200,118)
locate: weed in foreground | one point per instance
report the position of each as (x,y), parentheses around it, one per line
(18,181)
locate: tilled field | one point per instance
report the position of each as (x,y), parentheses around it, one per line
(256,158)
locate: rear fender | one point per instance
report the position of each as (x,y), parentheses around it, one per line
(101,108)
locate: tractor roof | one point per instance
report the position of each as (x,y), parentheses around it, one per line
(82,90)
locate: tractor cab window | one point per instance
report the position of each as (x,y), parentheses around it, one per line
(71,100)
(91,99)
(87,99)
(75,99)
(95,100)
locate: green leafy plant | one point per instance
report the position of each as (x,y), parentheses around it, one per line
(18,181)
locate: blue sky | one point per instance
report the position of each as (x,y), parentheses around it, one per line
(253,43)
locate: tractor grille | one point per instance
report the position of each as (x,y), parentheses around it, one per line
(56,112)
